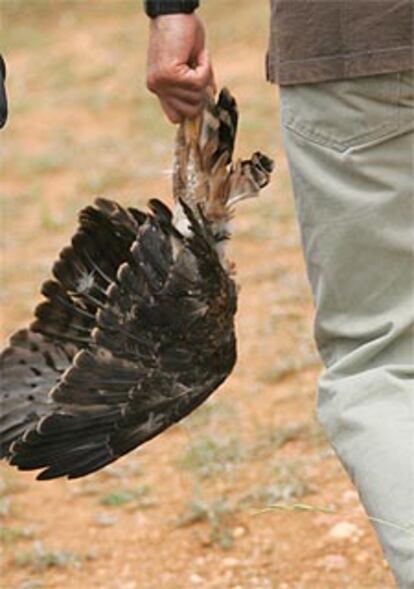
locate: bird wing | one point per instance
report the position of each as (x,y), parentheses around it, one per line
(29,367)
(150,314)
(36,358)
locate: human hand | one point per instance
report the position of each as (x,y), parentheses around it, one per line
(178,69)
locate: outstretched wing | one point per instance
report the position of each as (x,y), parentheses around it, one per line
(36,358)
(136,329)
(151,317)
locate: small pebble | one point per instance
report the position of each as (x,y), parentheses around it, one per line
(105,519)
(345,531)
(349,496)
(196,579)
(230,562)
(333,562)
(239,532)
(362,557)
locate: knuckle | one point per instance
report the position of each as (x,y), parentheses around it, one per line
(157,78)
(152,82)
(164,75)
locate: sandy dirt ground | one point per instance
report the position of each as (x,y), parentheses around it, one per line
(187,509)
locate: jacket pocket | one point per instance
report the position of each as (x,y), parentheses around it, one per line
(343,114)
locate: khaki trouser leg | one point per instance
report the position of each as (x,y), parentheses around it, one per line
(350,146)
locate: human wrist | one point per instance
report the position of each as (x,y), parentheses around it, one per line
(173,22)
(155,8)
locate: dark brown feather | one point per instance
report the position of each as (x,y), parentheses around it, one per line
(137,326)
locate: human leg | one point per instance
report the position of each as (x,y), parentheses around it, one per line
(350,147)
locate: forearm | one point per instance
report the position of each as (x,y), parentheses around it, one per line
(179,69)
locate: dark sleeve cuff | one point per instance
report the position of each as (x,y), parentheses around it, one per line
(155,8)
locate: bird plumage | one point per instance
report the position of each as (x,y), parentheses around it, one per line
(137,326)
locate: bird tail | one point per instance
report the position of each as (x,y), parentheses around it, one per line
(204,174)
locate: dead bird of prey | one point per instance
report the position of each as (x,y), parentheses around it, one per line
(137,326)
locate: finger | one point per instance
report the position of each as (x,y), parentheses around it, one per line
(193,97)
(182,108)
(171,113)
(177,77)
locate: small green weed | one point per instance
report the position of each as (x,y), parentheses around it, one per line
(272,439)
(287,484)
(216,513)
(39,559)
(10,535)
(120,498)
(209,457)
(48,220)
(210,412)
(5,507)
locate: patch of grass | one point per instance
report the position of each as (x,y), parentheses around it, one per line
(288,484)
(290,481)
(39,559)
(123,470)
(138,496)
(272,439)
(210,412)
(5,507)
(55,159)
(216,513)
(10,535)
(208,457)
(48,220)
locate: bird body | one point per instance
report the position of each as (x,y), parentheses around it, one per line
(137,326)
